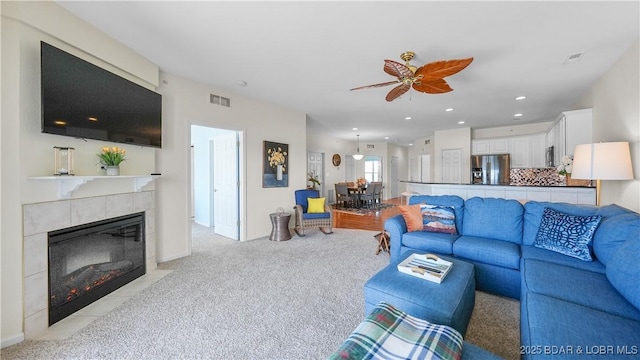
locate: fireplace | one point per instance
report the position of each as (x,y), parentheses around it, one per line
(89,261)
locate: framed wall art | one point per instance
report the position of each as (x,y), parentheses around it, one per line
(275,164)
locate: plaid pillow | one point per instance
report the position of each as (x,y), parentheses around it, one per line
(388,333)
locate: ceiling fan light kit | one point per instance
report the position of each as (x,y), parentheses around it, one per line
(427,79)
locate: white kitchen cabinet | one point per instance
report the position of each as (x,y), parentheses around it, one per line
(490,146)
(519,148)
(571,128)
(537,153)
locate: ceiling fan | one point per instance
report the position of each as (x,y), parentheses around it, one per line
(427,79)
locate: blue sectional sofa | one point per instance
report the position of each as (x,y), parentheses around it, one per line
(574,300)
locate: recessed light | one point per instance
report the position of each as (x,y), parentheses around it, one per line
(410,144)
(354,129)
(386,138)
(517,115)
(521,98)
(448,109)
(241,83)
(408,118)
(460,122)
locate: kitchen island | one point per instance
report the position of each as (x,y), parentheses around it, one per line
(566,194)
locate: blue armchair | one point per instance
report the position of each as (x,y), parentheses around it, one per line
(306,220)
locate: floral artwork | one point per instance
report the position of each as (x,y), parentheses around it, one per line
(275,171)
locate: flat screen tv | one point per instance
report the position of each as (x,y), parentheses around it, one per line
(82,100)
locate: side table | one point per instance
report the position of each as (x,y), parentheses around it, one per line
(280,226)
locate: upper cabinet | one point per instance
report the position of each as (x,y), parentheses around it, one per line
(571,128)
(526,151)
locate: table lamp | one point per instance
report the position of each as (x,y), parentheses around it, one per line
(602,161)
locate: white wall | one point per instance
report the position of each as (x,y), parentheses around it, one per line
(615,99)
(186,102)
(452,139)
(513,130)
(24,150)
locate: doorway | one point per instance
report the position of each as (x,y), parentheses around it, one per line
(315,167)
(215,186)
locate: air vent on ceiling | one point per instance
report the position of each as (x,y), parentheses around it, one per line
(219,100)
(573,58)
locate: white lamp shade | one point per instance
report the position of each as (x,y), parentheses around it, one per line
(602,161)
(358,156)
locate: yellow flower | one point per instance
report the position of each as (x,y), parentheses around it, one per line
(112,156)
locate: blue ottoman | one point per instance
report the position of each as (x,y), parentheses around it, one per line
(448,303)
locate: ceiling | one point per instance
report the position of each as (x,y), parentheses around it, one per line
(307,55)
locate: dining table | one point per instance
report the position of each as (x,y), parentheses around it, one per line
(357,191)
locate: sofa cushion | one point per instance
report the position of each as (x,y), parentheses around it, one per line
(493,218)
(532,252)
(575,285)
(548,322)
(612,232)
(429,241)
(533,216)
(456,202)
(623,271)
(488,251)
(566,234)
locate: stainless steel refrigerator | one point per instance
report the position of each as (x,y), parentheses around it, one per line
(490,169)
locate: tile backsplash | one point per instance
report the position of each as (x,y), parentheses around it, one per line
(537,177)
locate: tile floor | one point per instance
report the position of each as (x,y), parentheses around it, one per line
(77,321)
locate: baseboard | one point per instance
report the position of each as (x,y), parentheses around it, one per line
(12,340)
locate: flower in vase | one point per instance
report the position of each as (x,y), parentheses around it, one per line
(112,156)
(566,165)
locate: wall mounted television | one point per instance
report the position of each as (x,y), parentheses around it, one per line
(82,100)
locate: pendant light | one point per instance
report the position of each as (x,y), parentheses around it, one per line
(357,155)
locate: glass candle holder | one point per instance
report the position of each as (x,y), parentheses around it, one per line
(63,161)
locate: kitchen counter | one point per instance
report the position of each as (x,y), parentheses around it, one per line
(551,193)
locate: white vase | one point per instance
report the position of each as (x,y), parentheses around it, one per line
(113,170)
(279,172)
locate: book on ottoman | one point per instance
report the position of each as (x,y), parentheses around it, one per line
(428,266)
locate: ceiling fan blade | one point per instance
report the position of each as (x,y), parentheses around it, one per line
(397,91)
(441,69)
(376,85)
(437,86)
(396,69)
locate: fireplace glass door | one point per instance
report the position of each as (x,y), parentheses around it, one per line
(89,261)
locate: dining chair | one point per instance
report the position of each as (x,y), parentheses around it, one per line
(367,196)
(343,195)
(377,193)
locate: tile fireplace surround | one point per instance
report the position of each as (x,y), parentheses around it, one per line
(40,218)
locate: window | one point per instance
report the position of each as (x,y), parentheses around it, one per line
(373,168)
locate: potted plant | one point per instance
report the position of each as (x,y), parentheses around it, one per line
(313,180)
(111,157)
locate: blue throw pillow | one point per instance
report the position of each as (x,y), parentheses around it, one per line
(566,234)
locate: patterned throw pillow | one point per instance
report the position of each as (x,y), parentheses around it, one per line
(566,234)
(389,333)
(438,219)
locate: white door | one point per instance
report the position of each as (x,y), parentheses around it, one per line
(225,185)
(452,166)
(393,176)
(315,166)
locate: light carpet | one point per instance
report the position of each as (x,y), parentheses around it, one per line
(298,299)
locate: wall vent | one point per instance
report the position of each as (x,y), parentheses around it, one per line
(427,142)
(219,100)
(573,58)
(369,146)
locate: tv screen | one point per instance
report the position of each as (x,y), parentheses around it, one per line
(82,100)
